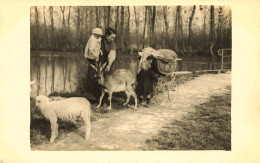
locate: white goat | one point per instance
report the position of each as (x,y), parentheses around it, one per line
(118,81)
(66,109)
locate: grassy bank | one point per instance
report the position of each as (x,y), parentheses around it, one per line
(208,128)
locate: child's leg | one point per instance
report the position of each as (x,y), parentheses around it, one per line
(148,97)
(141,99)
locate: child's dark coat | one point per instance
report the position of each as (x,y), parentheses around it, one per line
(145,80)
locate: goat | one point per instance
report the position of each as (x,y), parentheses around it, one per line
(120,80)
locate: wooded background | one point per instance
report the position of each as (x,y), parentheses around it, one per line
(185,29)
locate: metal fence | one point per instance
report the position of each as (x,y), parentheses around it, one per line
(226,58)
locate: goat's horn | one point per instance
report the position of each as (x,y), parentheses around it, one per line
(94,67)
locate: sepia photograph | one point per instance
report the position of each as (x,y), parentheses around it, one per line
(94,81)
(130,78)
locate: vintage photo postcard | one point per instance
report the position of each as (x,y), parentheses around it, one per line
(96,81)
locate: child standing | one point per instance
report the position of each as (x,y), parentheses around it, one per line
(93,47)
(92,54)
(146,79)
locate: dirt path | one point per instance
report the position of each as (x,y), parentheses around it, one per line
(128,129)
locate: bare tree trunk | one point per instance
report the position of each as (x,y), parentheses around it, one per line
(137,27)
(105,15)
(126,37)
(45,30)
(122,22)
(178,31)
(97,17)
(63,20)
(190,25)
(220,37)
(82,30)
(52,40)
(152,37)
(149,17)
(181,30)
(108,16)
(91,17)
(122,19)
(69,32)
(117,18)
(212,30)
(36,28)
(166,37)
(146,8)
(204,25)
(176,35)
(63,29)
(69,19)
(78,28)
(86,25)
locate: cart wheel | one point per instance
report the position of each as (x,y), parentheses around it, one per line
(160,96)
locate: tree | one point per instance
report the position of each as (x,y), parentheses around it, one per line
(122,19)
(45,30)
(190,25)
(122,22)
(78,28)
(166,24)
(108,16)
(178,37)
(69,30)
(152,34)
(126,37)
(63,29)
(37,26)
(145,19)
(117,18)
(54,28)
(220,36)
(204,22)
(97,16)
(212,30)
(137,26)
(52,41)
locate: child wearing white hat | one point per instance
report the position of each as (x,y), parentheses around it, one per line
(92,50)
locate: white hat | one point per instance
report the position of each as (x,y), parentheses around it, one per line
(97,31)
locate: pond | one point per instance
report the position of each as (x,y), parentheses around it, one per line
(56,71)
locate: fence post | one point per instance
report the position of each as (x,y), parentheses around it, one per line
(222,62)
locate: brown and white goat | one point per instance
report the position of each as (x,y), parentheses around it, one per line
(120,80)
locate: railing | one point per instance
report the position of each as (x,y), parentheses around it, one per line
(225,53)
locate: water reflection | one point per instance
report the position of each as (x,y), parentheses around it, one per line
(56,72)
(199,63)
(53,73)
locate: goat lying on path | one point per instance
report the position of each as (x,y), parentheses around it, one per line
(118,81)
(66,109)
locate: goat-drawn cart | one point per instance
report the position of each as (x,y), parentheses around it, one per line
(164,64)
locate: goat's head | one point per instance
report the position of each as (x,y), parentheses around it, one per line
(99,68)
(42,100)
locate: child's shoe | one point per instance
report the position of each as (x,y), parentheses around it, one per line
(141,100)
(147,102)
